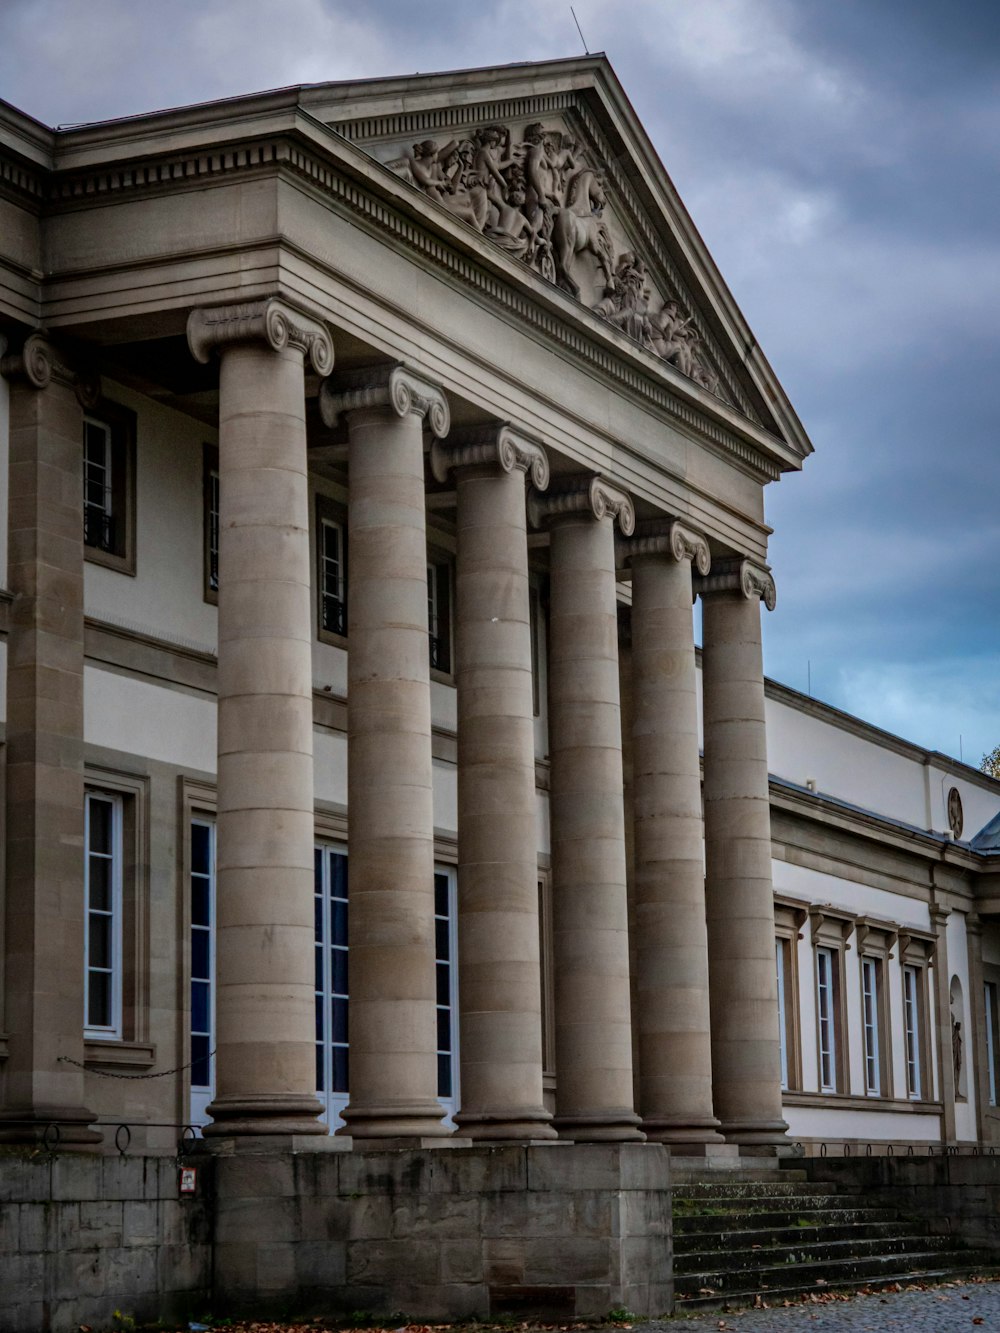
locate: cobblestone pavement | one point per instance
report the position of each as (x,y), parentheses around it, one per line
(953,1306)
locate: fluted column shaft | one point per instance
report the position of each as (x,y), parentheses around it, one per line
(498,941)
(44,917)
(746,1061)
(671,945)
(265,1024)
(594,1094)
(393,1020)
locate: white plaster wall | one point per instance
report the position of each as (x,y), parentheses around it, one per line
(818,887)
(801,747)
(445,797)
(809,1122)
(4,467)
(330,767)
(329,667)
(165,597)
(979,805)
(136,717)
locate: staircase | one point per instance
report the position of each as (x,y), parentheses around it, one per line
(766,1235)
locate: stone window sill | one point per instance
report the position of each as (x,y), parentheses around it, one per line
(848,1102)
(128,1054)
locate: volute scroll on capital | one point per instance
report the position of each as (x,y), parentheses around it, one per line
(498,443)
(743,576)
(40,362)
(390,384)
(271,321)
(583,495)
(666,537)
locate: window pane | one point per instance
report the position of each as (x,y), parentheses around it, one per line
(200,1006)
(339,961)
(338,876)
(99,884)
(319,1017)
(444,1030)
(201,1074)
(100,813)
(443,984)
(201,947)
(444,1076)
(440,895)
(201,901)
(320,1080)
(338,918)
(99,1000)
(441,938)
(339,1020)
(99,930)
(340,1069)
(201,849)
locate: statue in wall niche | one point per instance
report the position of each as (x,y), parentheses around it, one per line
(956,1051)
(543,202)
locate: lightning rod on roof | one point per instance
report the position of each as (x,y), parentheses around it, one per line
(586,48)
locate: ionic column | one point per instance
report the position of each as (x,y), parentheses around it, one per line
(393,1019)
(265,1009)
(594,1093)
(746,1063)
(44,919)
(671,945)
(498,945)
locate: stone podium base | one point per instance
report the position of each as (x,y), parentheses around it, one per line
(559,1230)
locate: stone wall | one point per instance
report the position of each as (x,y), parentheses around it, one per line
(82,1236)
(445,1233)
(958,1195)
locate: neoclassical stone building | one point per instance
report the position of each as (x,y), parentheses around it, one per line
(367,446)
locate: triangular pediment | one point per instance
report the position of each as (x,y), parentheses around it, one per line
(549,163)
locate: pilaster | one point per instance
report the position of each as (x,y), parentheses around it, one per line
(44,926)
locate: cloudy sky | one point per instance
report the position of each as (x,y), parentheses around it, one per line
(842,160)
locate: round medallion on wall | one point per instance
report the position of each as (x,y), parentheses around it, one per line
(956,818)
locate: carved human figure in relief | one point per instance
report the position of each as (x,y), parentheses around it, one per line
(626,299)
(543,196)
(512,230)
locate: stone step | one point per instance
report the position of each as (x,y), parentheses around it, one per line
(973,1262)
(771,1258)
(794,1205)
(706,1239)
(748,1219)
(803,1277)
(754,1189)
(684,1171)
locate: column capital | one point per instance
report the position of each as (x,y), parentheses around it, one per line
(593,495)
(497,443)
(740,575)
(666,537)
(271,321)
(40,361)
(389,384)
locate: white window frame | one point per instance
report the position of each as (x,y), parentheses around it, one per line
(203,1094)
(913,1033)
(991,1011)
(827,960)
(111,1031)
(871,1021)
(452,1102)
(334,1100)
(105,510)
(780,947)
(332,571)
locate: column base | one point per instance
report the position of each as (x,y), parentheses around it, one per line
(411,1122)
(522,1123)
(50,1126)
(753,1134)
(694,1136)
(611,1126)
(280,1113)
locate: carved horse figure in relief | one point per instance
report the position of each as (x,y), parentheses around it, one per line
(578,228)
